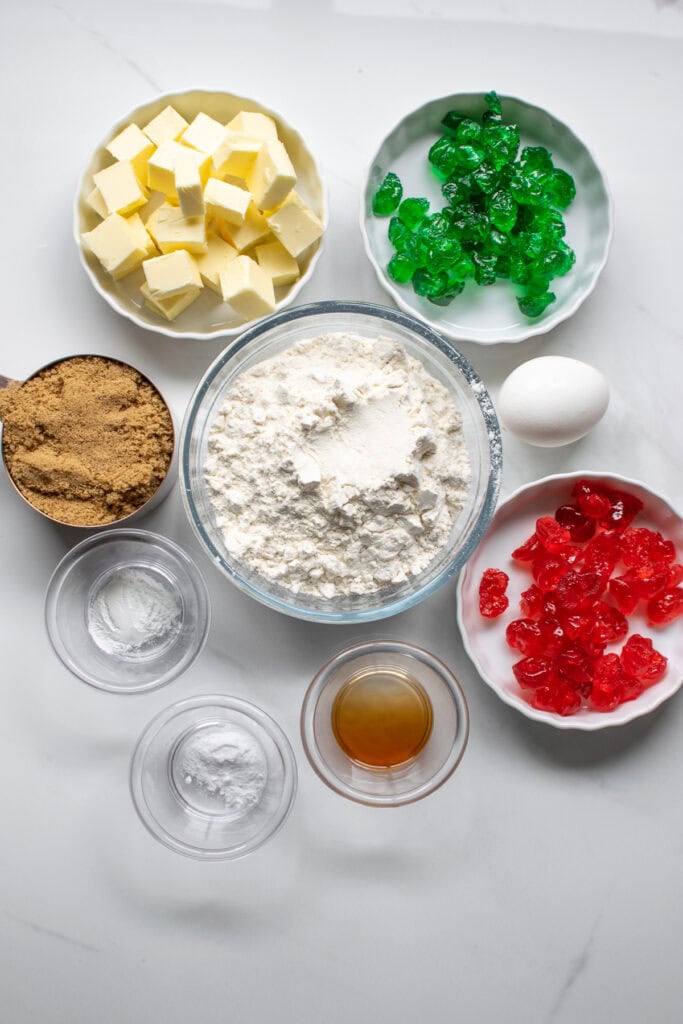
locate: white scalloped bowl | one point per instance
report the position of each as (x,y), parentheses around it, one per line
(484,639)
(207,317)
(490,315)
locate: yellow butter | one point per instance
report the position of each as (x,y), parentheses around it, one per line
(215,260)
(281,268)
(247,288)
(258,126)
(171,230)
(172,274)
(95,201)
(120,189)
(167,126)
(132,144)
(142,237)
(226,202)
(295,225)
(235,154)
(188,185)
(253,229)
(115,245)
(272,177)
(204,134)
(170,308)
(162,164)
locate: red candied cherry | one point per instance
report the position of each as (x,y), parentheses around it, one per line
(580,527)
(553,637)
(524,635)
(675,575)
(579,589)
(533,672)
(577,624)
(595,506)
(552,536)
(602,553)
(605,696)
(642,548)
(492,598)
(575,666)
(531,602)
(623,594)
(609,678)
(624,508)
(551,608)
(609,625)
(558,698)
(547,570)
(650,581)
(640,659)
(666,607)
(527,551)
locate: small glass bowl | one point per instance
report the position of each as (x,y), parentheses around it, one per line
(106,582)
(406,782)
(194,817)
(267,340)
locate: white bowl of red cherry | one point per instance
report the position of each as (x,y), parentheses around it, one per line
(571,606)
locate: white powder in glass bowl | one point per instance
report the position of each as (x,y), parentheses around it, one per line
(337,467)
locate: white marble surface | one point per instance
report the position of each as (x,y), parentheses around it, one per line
(543,883)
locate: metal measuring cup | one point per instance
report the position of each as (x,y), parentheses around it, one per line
(162,490)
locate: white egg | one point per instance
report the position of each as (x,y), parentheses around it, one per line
(552,400)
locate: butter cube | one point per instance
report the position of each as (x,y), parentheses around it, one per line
(235,154)
(115,246)
(162,164)
(132,144)
(95,201)
(142,237)
(226,202)
(272,177)
(253,229)
(258,126)
(188,186)
(281,268)
(170,308)
(215,260)
(295,225)
(172,274)
(204,134)
(247,288)
(120,189)
(171,230)
(167,126)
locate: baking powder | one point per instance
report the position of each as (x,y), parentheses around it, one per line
(337,467)
(227,763)
(134,612)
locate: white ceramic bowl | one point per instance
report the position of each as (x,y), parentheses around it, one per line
(207,317)
(491,315)
(484,639)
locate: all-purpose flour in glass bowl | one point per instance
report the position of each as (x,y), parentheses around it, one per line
(340,461)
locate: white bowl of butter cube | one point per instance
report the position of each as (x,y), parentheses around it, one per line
(200,213)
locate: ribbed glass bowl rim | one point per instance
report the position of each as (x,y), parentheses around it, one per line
(388,315)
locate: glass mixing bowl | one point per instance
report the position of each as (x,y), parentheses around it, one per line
(268,339)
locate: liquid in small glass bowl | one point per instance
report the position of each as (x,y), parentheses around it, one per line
(384,723)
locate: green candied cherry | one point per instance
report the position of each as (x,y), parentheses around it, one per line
(502,210)
(398,233)
(533,305)
(443,156)
(400,268)
(559,188)
(412,211)
(387,197)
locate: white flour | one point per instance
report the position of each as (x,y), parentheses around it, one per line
(227,763)
(338,466)
(134,612)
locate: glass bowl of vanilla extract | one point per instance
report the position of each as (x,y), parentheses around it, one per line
(384,723)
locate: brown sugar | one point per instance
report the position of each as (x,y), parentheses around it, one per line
(87,441)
